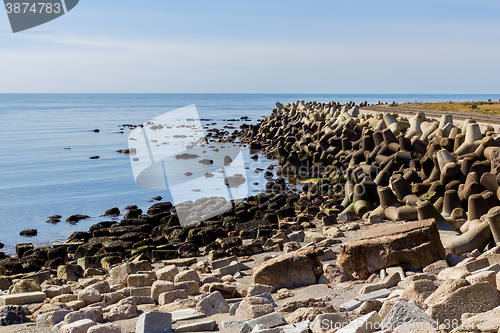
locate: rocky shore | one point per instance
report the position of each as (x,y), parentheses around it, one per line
(395,229)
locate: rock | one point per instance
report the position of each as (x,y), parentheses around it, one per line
(299,268)
(365,324)
(124,309)
(226,290)
(154,322)
(105,328)
(436,267)
(347,216)
(387,282)
(24,286)
(112,297)
(333,274)
(76,305)
(5,283)
(454,273)
(212,303)
(291,246)
(482,322)
(253,307)
(413,245)
(329,321)
(69,272)
(418,291)
(333,232)
(188,275)
(160,287)
(368,306)
(446,288)
(92,313)
(53,291)
(191,287)
(170,296)
(64,298)
(268,321)
(80,326)
(89,295)
(477,298)
(139,280)
(167,273)
(297,236)
(29,232)
(284,293)
(12,314)
(205,326)
(19,299)
(409,280)
(303,314)
(405,312)
(257,289)
(486,276)
(52,318)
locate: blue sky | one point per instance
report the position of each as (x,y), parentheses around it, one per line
(258,47)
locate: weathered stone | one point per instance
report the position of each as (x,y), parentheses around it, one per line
(350,305)
(140,291)
(53,291)
(410,279)
(139,280)
(387,282)
(191,287)
(167,273)
(253,307)
(368,306)
(24,286)
(188,275)
(329,321)
(257,289)
(333,274)
(64,298)
(436,267)
(302,267)
(160,286)
(154,322)
(124,309)
(477,298)
(413,245)
(170,296)
(365,324)
(226,290)
(405,312)
(212,303)
(12,314)
(418,291)
(69,272)
(269,321)
(216,264)
(483,322)
(381,293)
(19,299)
(486,276)
(205,326)
(105,328)
(93,313)
(446,288)
(89,295)
(52,318)
(80,326)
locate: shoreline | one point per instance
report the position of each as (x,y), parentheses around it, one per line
(307,138)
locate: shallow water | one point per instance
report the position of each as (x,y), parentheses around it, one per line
(40,177)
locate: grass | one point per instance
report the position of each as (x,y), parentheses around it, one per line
(482,107)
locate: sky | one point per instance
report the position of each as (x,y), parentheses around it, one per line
(202,46)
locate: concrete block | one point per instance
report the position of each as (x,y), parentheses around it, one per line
(223,262)
(205,326)
(270,320)
(24,298)
(381,293)
(50,319)
(154,322)
(350,305)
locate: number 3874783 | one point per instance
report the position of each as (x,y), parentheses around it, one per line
(35,8)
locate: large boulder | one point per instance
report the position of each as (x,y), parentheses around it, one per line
(299,268)
(412,245)
(476,298)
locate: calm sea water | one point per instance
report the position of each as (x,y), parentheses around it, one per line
(40,177)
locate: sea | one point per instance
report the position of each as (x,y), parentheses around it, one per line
(47,141)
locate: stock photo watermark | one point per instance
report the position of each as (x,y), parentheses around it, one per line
(171,152)
(24,15)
